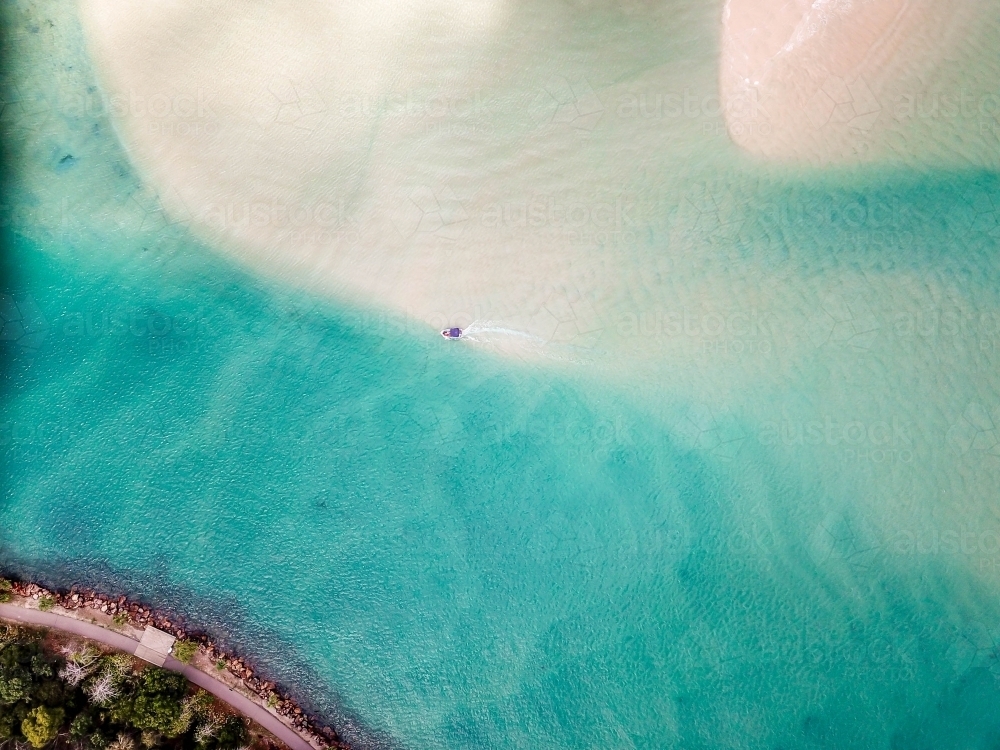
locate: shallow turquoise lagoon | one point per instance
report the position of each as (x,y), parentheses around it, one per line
(788,539)
(441,549)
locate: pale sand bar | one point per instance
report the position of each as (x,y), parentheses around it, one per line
(841,81)
(411,157)
(453,162)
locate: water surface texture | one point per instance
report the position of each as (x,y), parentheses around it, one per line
(737,490)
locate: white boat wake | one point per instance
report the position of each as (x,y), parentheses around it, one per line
(487,331)
(496,336)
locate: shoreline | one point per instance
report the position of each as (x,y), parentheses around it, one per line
(119,615)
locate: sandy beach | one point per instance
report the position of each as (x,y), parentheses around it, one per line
(847,82)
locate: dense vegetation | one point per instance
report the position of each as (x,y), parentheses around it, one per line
(82,698)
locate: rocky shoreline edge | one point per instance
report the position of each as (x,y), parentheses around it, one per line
(124,612)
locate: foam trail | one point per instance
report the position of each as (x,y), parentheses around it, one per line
(500,338)
(488,327)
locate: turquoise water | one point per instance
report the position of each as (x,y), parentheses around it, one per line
(787,540)
(527,562)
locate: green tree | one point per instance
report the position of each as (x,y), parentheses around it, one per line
(14,687)
(6,726)
(81,726)
(41,666)
(231,735)
(49,692)
(184,651)
(157,702)
(16,681)
(41,725)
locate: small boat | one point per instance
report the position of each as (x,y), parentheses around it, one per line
(452,333)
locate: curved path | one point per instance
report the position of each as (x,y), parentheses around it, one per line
(121,642)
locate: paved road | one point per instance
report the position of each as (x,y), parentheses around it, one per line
(123,643)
